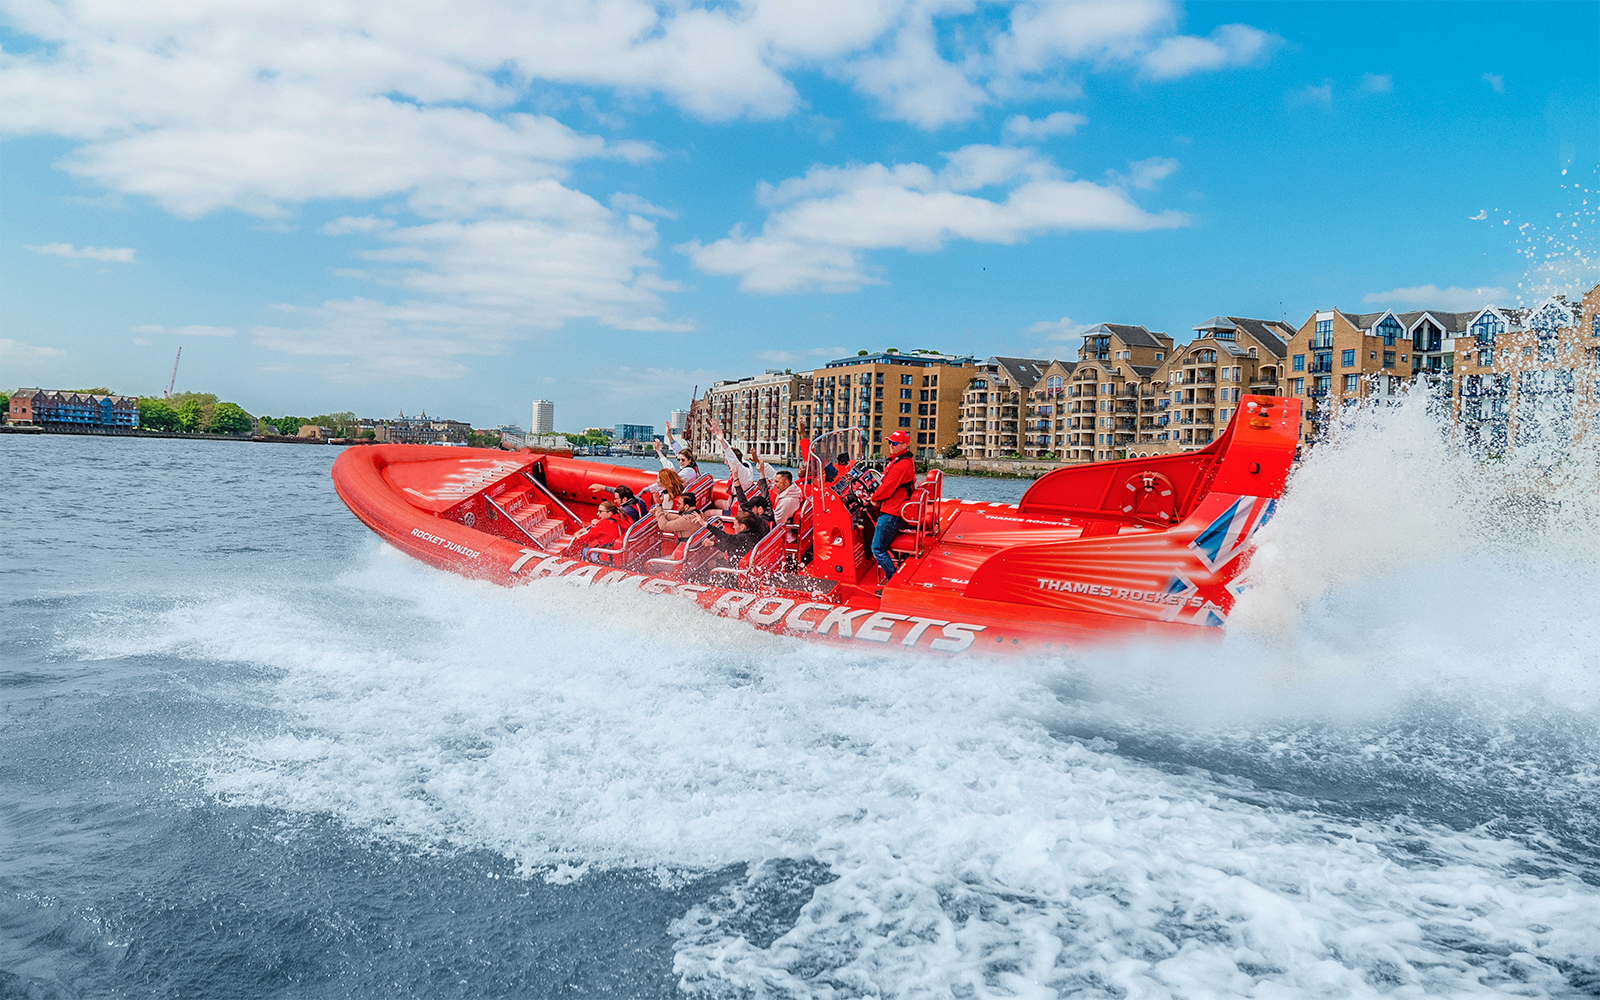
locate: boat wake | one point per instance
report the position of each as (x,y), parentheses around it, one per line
(1384,779)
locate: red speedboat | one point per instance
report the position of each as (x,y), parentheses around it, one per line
(1144,547)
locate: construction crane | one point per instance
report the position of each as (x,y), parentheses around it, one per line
(173,381)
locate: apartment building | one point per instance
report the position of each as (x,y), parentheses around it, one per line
(1525,376)
(1337,358)
(755,413)
(918,392)
(993,405)
(73,409)
(416,430)
(1202,383)
(1112,403)
(544,417)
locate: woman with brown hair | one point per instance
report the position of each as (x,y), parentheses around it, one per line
(676,513)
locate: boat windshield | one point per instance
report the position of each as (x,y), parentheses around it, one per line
(825,448)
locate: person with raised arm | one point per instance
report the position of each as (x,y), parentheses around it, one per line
(740,478)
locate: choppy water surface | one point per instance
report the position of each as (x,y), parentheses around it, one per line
(246,750)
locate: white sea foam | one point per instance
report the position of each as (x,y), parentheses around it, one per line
(973,849)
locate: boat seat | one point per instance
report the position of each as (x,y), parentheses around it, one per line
(921,514)
(637,544)
(688,557)
(766,558)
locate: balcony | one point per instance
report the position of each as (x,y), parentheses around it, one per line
(1317,393)
(1320,367)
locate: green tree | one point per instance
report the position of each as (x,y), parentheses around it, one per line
(288,426)
(190,413)
(339,424)
(98,390)
(158,415)
(954,451)
(5,406)
(229,418)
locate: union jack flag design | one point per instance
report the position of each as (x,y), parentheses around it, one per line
(1226,538)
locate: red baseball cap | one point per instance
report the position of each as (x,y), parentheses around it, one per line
(900,437)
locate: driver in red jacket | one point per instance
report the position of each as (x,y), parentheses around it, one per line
(899,480)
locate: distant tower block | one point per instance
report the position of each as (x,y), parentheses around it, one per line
(679,419)
(544,417)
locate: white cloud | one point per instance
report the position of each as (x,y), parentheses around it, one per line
(1228,46)
(187,331)
(15,351)
(1450,299)
(822,222)
(347,224)
(811,356)
(1310,94)
(265,108)
(119,255)
(1058,329)
(1021,128)
(623,201)
(1145,174)
(1496,83)
(1377,83)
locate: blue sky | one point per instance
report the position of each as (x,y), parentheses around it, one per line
(462,208)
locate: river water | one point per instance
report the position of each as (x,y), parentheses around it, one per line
(246,750)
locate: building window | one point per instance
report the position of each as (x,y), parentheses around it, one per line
(1487,327)
(1486,357)
(905,379)
(905,393)
(1389,329)
(1348,358)
(1159,354)
(1388,359)
(905,407)
(1299,362)
(1352,383)
(1299,387)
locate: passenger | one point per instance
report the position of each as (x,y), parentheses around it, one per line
(786,497)
(688,468)
(838,467)
(677,513)
(899,481)
(604,532)
(627,501)
(748,529)
(762,509)
(739,475)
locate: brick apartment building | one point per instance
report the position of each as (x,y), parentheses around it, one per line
(918,392)
(62,408)
(1337,357)
(759,412)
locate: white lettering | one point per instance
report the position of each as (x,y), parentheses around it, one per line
(879,628)
(957,636)
(920,627)
(796,621)
(582,577)
(658,586)
(551,566)
(730,604)
(841,618)
(523,561)
(690,590)
(768,610)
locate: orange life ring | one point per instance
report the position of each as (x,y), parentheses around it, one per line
(1150,497)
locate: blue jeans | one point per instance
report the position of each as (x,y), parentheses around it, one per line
(889,526)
